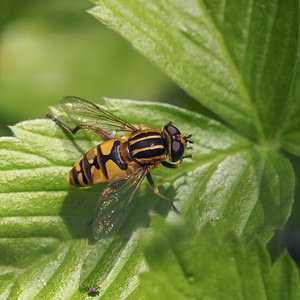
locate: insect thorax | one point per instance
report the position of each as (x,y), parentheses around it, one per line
(147,146)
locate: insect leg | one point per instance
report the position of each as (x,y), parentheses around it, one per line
(156,191)
(155,188)
(58,122)
(172,166)
(99,131)
(145,125)
(92,290)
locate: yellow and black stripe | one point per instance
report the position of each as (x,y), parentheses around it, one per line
(100,164)
(147,146)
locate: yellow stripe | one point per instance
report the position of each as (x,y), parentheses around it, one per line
(147,148)
(150,159)
(157,136)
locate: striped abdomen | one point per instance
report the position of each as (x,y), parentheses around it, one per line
(147,146)
(101,164)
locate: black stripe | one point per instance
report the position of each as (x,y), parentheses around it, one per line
(87,168)
(150,142)
(150,153)
(145,134)
(95,163)
(102,161)
(75,176)
(83,175)
(115,157)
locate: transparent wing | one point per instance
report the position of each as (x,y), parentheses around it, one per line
(113,202)
(84,112)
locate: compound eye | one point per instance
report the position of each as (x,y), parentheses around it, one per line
(172,130)
(177,149)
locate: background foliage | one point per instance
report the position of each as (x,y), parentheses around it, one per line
(47,52)
(245,154)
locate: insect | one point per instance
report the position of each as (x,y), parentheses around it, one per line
(92,290)
(122,161)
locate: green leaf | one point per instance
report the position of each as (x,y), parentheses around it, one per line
(100,64)
(186,263)
(290,140)
(235,57)
(46,247)
(290,137)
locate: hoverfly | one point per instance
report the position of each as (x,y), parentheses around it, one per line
(122,161)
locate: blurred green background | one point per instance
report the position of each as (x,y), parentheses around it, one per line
(52,49)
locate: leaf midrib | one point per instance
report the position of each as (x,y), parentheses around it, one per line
(236,73)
